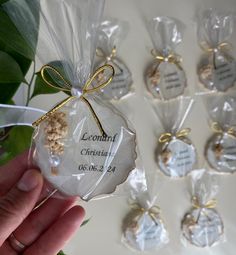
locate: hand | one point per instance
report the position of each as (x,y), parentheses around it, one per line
(43,231)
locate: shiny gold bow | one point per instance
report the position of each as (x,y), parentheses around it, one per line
(209,205)
(167,137)
(101,53)
(66,86)
(152,211)
(171,58)
(215,126)
(224,46)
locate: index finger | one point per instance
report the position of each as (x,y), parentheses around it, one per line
(12,172)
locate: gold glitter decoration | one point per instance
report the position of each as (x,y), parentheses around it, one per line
(55,130)
(218,149)
(189,220)
(166,155)
(54,171)
(206,72)
(154,75)
(101,77)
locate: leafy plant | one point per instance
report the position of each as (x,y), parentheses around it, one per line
(61,253)
(17,58)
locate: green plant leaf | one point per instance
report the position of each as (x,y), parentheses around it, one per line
(4,157)
(41,87)
(17,141)
(7,91)
(10,71)
(61,253)
(10,36)
(24,63)
(11,77)
(3,1)
(85,222)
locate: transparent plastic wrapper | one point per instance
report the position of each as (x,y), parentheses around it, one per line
(202,226)
(165,77)
(83,146)
(217,66)
(143,227)
(220,149)
(175,154)
(110,34)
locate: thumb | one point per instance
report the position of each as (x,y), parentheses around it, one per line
(17,204)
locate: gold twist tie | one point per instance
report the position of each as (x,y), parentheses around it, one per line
(211,204)
(152,211)
(218,129)
(224,46)
(66,86)
(101,53)
(167,137)
(171,58)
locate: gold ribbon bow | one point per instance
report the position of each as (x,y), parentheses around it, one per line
(87,89)
(167,137)
(218,129)
(101,53)
(152,211)
(224,46)
(171,58)
(209,205)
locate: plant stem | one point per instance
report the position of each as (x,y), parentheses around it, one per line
(30,84)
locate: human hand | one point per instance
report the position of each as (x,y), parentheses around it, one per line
(43,231)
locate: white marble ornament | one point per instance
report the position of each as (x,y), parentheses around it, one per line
(221,152)
(78,160)
(217,72)
(203,227)
(144,232)
(165,80)
(177,157)
(121,83)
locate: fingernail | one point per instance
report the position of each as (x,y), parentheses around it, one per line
(29,181)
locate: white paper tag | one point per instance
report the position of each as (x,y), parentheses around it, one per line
(148,233)
(90,164)
(221,153)
(121,82)
(176,158)
(224,74)
(206,228)
(165,80)
(218,73)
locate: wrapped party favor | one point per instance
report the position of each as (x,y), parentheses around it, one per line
(143,227)
(175,154)
(110,34)
(220,149)
(165,77)
(83,146)
(202,226)
(216,69)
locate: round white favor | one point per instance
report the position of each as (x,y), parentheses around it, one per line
(217,73)
(221,152)
(203,227)
(76,158)
(121,83)
(177,157)
(143,231)
(165,80)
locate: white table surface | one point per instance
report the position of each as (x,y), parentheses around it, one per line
(102,235)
